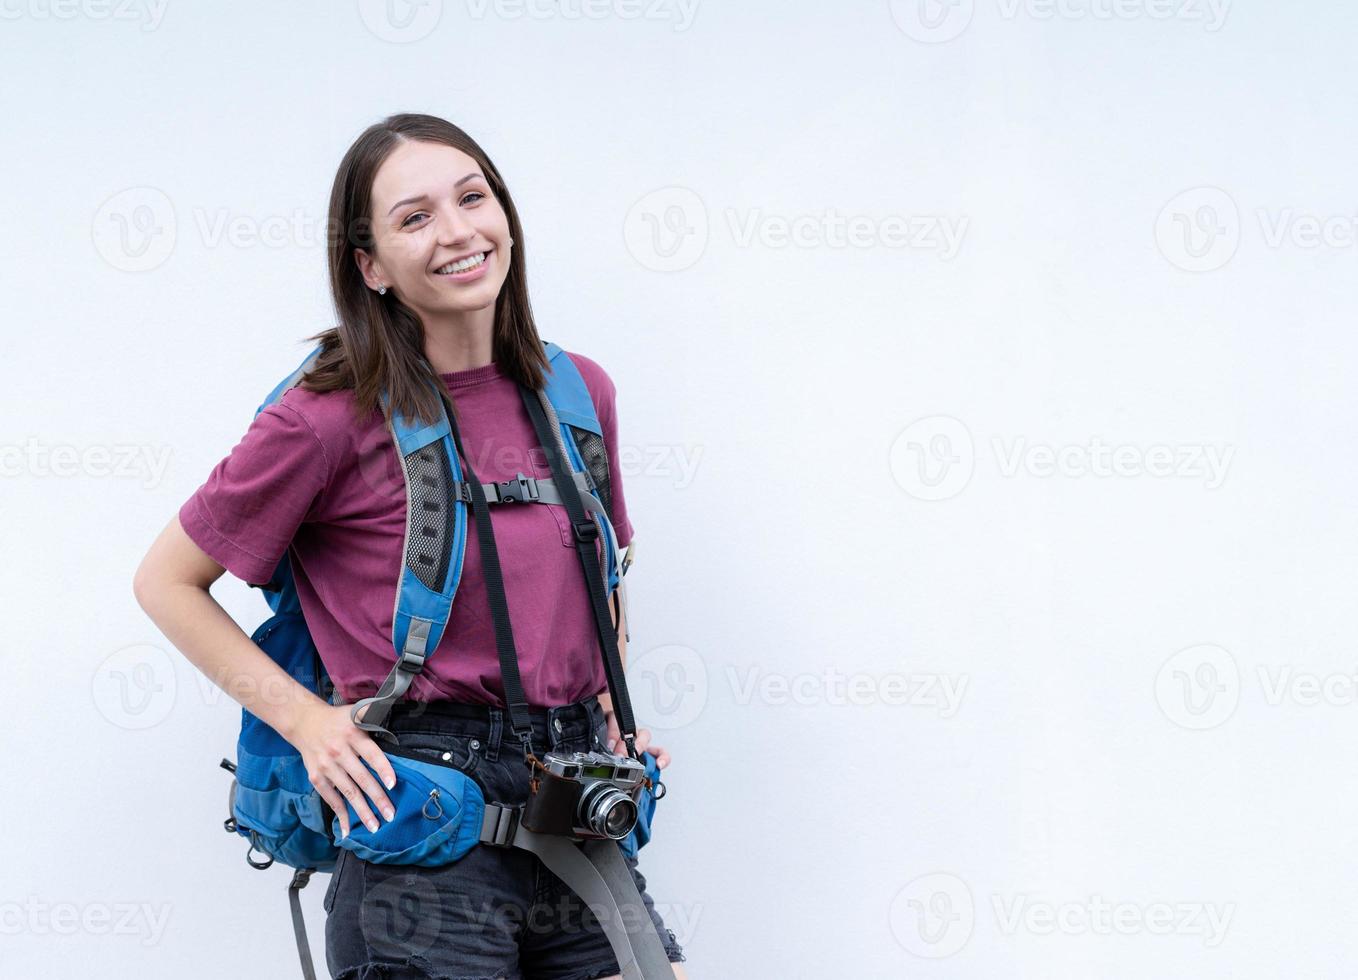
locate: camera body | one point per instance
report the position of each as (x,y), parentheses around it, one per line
(587,795)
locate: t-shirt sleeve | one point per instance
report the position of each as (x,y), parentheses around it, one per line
(605,397)
(246,514)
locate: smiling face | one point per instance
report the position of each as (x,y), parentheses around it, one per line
(441,237)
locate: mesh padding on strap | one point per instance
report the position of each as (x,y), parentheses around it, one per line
(594,454)
(431,529)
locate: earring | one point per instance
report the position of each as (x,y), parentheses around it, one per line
(381,290)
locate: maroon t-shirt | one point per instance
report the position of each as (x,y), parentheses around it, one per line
(306,475)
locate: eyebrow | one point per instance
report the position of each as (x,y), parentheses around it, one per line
(421,197)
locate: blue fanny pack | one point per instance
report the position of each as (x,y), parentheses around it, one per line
(438,815)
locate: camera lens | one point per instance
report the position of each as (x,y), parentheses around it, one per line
(621,817)
(607,812)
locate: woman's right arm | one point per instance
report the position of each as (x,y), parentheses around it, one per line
(171,585)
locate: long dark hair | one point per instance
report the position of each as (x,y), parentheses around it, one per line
(379,342)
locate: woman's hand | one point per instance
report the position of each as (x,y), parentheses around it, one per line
(614,737)
(333,749)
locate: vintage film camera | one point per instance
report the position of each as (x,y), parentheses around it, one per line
(585,794)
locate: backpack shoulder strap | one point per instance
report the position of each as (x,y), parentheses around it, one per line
(432,555)
(572,410)
(290,381)
(567,391)
(574,406)
(433,550)
(280,592)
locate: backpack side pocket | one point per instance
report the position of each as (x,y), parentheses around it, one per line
(274,805)
(646,801)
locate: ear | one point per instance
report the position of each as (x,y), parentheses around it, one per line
(369,269)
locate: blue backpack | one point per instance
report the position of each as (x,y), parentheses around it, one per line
(272,802)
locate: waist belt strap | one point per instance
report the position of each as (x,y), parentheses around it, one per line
(594,870)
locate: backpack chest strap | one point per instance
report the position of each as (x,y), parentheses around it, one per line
(523,489)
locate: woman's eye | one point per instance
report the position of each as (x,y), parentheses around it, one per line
(472,197)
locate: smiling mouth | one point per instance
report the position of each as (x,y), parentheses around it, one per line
(467,264)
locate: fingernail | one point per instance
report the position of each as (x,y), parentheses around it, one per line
(391,782)
(389,813)
(372,826)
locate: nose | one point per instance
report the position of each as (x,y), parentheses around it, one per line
(455,227)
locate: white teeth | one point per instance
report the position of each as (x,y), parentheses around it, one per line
(462,265)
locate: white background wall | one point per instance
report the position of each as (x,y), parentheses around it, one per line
(995,563)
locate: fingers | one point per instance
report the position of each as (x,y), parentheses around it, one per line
(333,800)
(367,782)
(344,779)
(372,754)
(643,741)
(349,789)
(662,758)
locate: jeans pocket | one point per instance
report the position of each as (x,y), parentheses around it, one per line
(599,737)
(461,752)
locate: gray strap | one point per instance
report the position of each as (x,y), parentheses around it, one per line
(407,668)
(299,881)
(606,857)
(595,871)
(592,505)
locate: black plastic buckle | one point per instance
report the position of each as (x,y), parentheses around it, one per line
(411,663)
(521,489)
(586,530)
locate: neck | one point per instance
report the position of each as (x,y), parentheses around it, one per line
(460,341)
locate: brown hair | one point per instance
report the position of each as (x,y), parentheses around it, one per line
(379,342)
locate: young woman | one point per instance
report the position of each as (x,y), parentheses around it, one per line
(428,278)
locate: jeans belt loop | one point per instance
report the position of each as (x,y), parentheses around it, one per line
(493,739)
(553,739)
